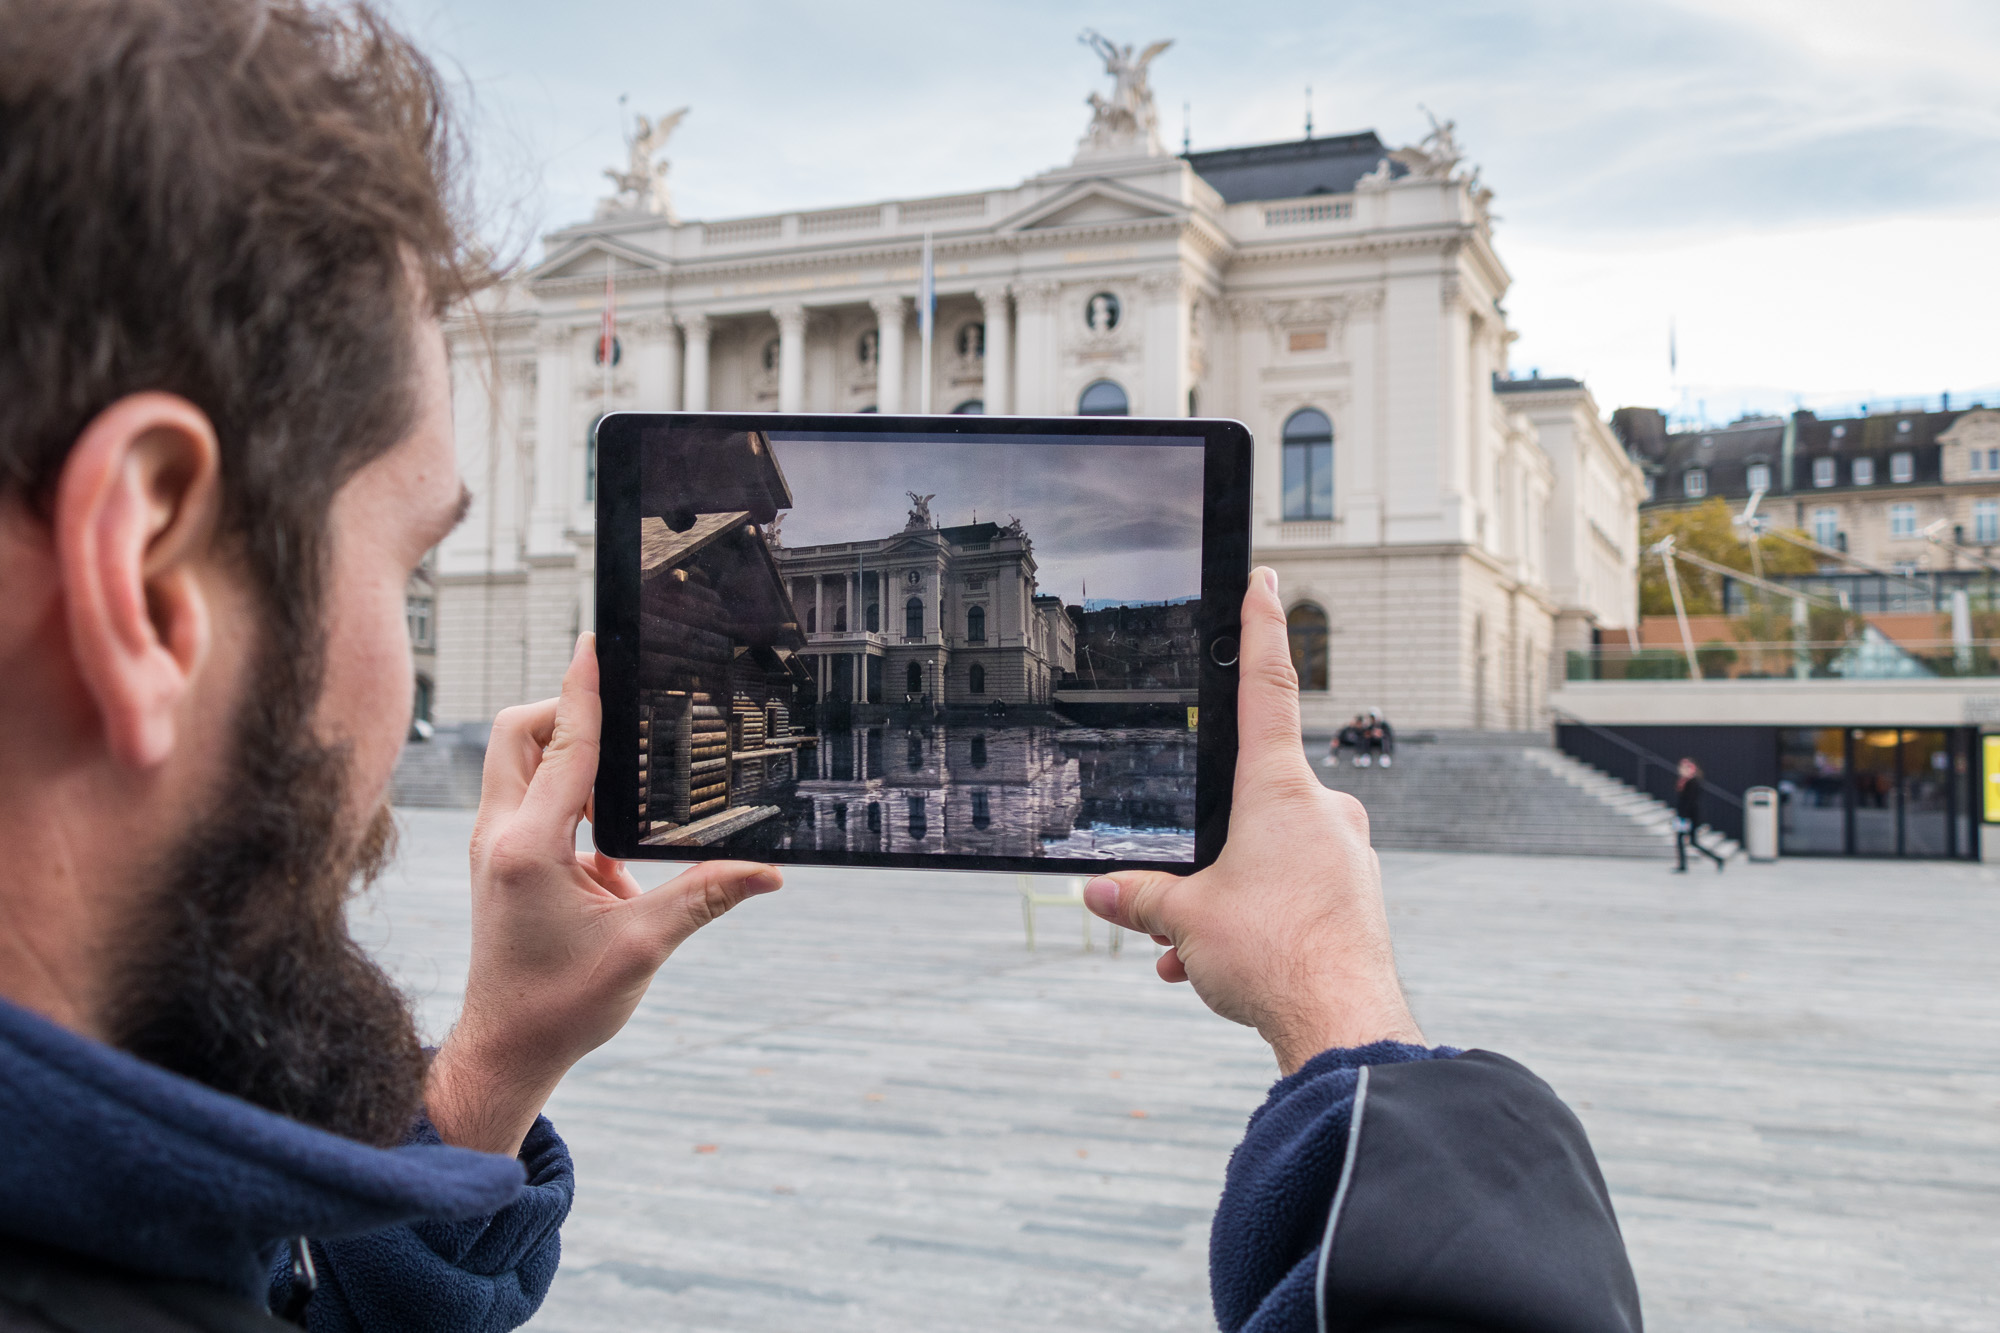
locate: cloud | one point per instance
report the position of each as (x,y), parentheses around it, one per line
(1624,132)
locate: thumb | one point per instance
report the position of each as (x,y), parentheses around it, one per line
(562,783)
(1134,899)
(697,896)
(1267,692)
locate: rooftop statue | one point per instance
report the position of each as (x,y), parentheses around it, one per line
(642,186)
(1125,124)
(1434,158)
(920,511)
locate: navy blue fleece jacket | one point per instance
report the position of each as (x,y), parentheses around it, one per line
(115,1160)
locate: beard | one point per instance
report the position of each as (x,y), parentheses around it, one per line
(242,974)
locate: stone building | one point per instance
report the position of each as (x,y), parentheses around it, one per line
(1906,491)
(1442,531)
(949,617)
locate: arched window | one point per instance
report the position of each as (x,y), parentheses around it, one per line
(975,625)
(913,618)
(1103,399)
(874,618)
(1307,626)
(1308,459)
(982,810)
(920,827)
(979,752)
(913,679)
(977,678)
(812,620)
(971,407)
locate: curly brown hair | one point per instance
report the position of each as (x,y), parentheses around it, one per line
(236,201)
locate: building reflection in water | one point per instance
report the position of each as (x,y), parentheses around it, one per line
(980,789)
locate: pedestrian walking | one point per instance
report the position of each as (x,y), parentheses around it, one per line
(1687,806)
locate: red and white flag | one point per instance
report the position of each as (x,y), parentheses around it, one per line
(607,336)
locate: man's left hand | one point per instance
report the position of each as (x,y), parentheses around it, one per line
(564,943)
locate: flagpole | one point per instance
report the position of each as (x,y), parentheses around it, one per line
(926,321)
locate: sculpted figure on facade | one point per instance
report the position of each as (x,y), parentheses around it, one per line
(642,186)
(920,512)
(1434,158)
(1126,123)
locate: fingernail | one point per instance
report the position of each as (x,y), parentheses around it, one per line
(765,880)
(1101,895)
(1271,580)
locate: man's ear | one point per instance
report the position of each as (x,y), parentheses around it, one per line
(135,513)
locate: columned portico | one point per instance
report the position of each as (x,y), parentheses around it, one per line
(889,317)
(791,318)
(998,388)
(694,384)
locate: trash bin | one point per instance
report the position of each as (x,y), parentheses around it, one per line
(1760,823)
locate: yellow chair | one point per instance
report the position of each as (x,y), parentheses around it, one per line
(1030,900)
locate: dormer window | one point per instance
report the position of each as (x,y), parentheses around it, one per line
(1903,427)
(1864,472)
(1694,483)
(1902,466)
(1840,432)
(1822,472)
(1758,477)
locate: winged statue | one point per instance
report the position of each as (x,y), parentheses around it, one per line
(920,511)
(642,185)
(1126,123)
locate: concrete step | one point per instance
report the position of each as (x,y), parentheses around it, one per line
(441,773)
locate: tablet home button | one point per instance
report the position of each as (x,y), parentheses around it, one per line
(1223,650)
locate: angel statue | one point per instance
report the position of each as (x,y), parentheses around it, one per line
(920,511)
(642,186)
(1437,156)
(1124,124)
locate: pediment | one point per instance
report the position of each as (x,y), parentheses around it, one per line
(586,257)
(1093,203)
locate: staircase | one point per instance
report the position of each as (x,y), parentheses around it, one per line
(441,773)
(1503,791)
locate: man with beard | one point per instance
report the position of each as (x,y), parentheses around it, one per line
(228,230)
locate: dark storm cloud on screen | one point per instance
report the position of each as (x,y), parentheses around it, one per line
(1123,519)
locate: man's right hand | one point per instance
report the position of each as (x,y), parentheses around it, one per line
(1286,932)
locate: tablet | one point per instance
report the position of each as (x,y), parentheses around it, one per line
(956,642)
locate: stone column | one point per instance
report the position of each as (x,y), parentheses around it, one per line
(819,604)
(1035,364)
(694,384)
(791,317)
(670,366)
(558,429)
(888,353)
(998,390)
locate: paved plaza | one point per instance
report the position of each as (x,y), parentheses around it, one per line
(862,1104)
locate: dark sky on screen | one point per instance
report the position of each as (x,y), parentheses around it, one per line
(1125,519)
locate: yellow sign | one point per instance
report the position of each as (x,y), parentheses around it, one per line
(1990,766)
(1194,715)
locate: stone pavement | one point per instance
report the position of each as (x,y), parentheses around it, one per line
(860,1104)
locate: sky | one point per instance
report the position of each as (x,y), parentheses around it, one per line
(1805,192)
(1122,520)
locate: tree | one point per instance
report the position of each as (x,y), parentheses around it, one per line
(1708,530)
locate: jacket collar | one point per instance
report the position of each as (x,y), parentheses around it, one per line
(119,1160)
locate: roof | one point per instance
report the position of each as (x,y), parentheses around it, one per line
(1535,384)
(735,561)
(1293,169)
(689,470)
(1726,453)
(967,533)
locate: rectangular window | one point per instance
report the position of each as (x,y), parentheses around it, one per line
(1975,461)
(1986,522)
(1902,466)
(1759,477)
(1309,481)
(417,611)
(1826,526)
(1822,472)
(1993,460)
(1864,472)
(1903,520)
(1694,483)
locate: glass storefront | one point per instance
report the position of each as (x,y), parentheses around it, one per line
(1876,791)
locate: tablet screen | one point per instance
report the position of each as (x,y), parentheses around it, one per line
(910,643)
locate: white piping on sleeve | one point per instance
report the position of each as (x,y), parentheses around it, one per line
(1340,1195)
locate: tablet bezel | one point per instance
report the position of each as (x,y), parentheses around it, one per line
(1225,573)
